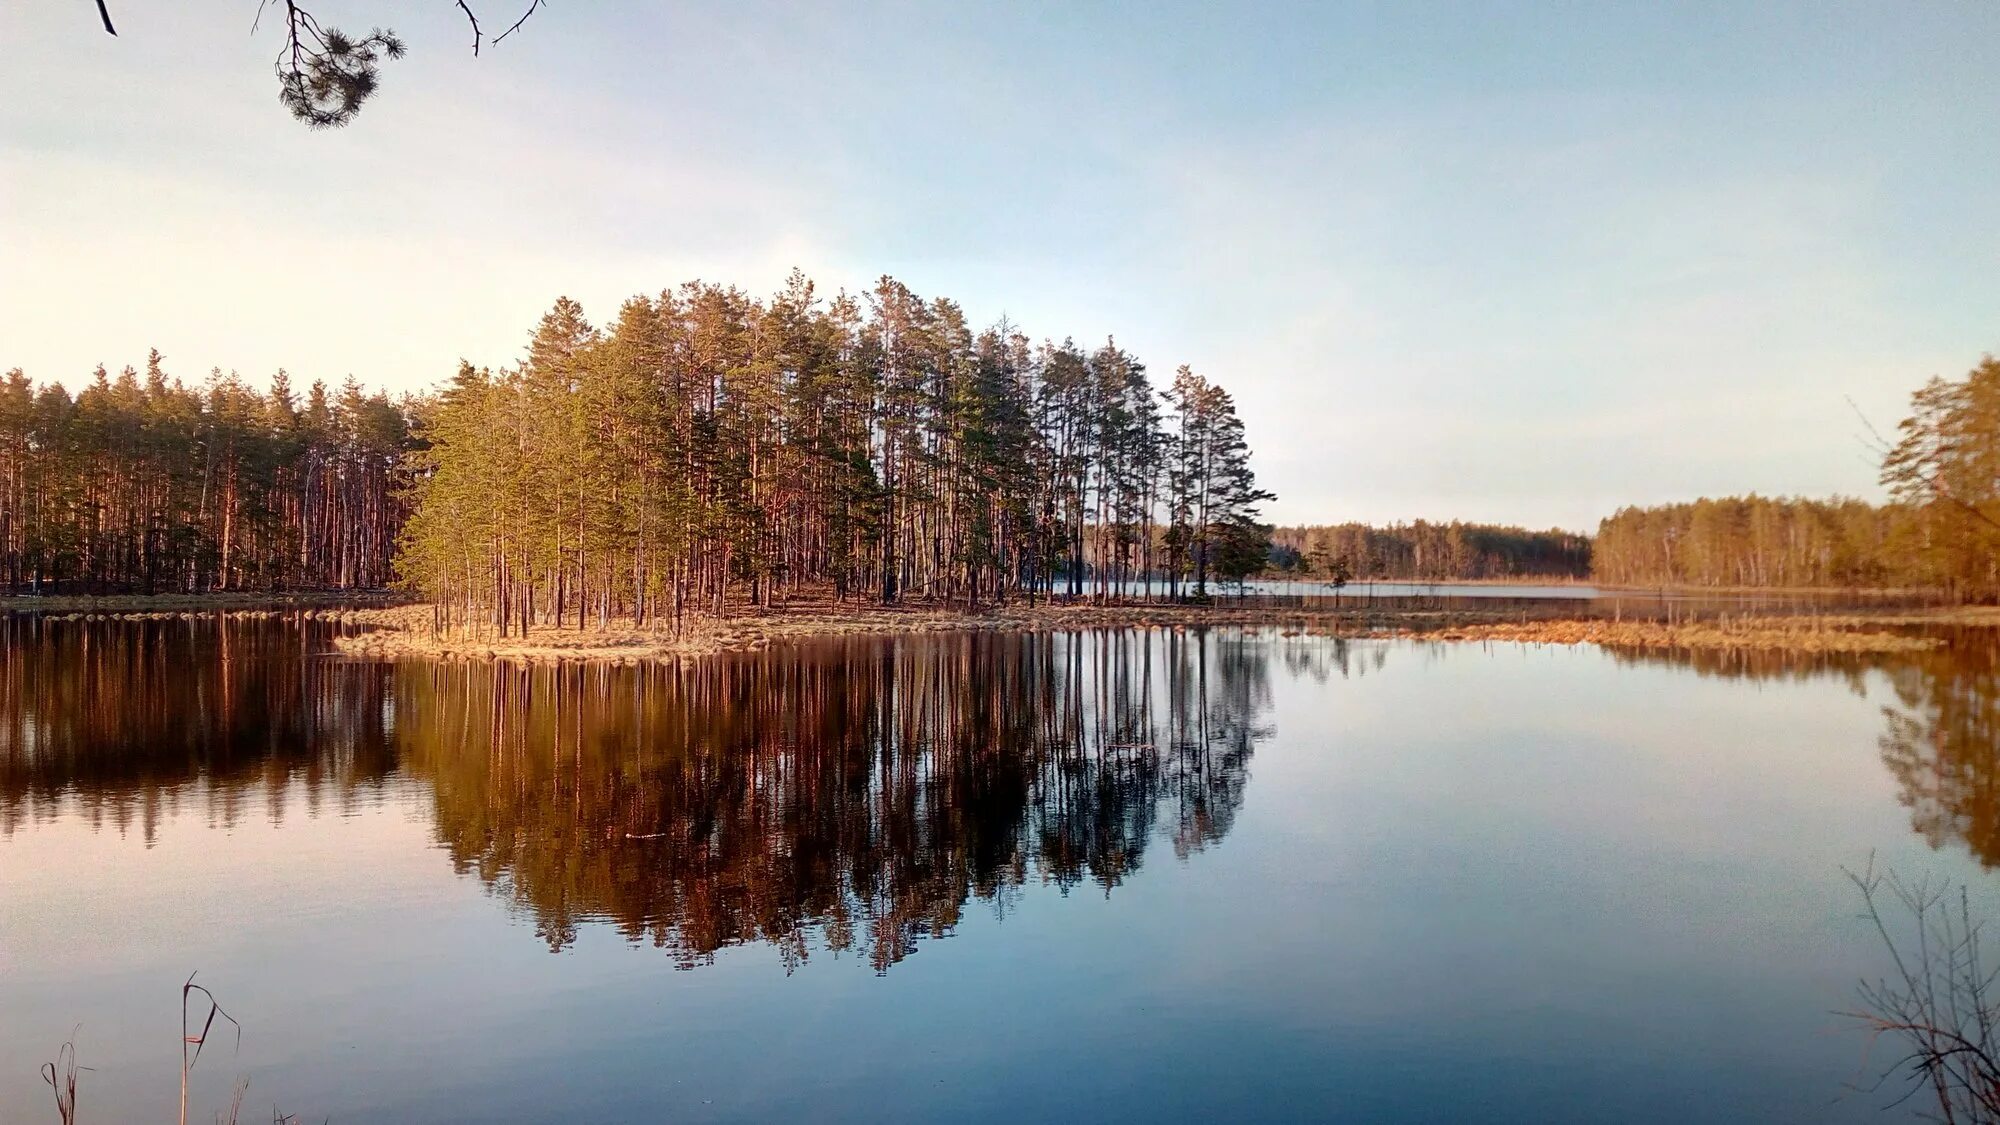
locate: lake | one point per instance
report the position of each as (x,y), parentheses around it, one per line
(1306,588)
(1542,600)
(1130,875)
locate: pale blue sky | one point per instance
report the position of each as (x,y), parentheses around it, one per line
(1502,262)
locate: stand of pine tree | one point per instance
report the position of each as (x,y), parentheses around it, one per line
(710,446)
(140,484)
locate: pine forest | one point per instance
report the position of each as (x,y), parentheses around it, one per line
(705,446)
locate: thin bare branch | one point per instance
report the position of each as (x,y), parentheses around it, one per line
(474,21)
(516,25)
(1937,1003)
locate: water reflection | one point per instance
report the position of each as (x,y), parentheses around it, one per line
(1761,664)
(845,796)
(1941,725)
(1942,743)
(123,723)
(851,797)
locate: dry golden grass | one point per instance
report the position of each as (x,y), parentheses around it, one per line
(399,630)
(1789,634)
(404,632)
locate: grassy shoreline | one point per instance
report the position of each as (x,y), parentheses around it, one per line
(391,627)
(405,633)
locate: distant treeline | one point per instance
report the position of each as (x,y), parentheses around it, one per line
(1784,541)
(1758,541)
(709,442)
(1940,530)
(1429,552)
(142,483)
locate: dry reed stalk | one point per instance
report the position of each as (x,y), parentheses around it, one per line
(61,1077)
(200,1041)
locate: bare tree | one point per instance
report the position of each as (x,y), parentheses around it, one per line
(1939,1003)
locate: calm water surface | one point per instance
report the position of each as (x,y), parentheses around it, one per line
(1305,588)
(1128,875)
(1551,600)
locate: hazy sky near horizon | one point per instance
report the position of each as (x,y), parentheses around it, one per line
(1508,262)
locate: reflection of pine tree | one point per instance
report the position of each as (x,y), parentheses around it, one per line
(855,796)
(1761,664)
(848,797)
(1321,658)
(1941,737)
(1942,743)
(125,719)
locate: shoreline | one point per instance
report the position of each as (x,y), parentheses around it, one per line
(1353,583)
(392,627)
(404,632)
(378,597)
(1862,592)
(1624,589)
(211,601)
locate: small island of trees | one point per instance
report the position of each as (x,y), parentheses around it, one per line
(710,445)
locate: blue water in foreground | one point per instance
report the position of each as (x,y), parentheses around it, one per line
(1127,876)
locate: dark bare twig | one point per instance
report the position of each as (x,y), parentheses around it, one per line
(1876,443)
(474,21)
(1884,449)
(516,26)
(1938,1001)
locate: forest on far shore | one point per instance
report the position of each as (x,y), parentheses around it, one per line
(1429,552)
(1939,530)
(708,444)
(705,446)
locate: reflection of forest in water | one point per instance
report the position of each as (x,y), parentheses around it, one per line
(844,795)
(855,794)
(127,723)
(1941,725)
